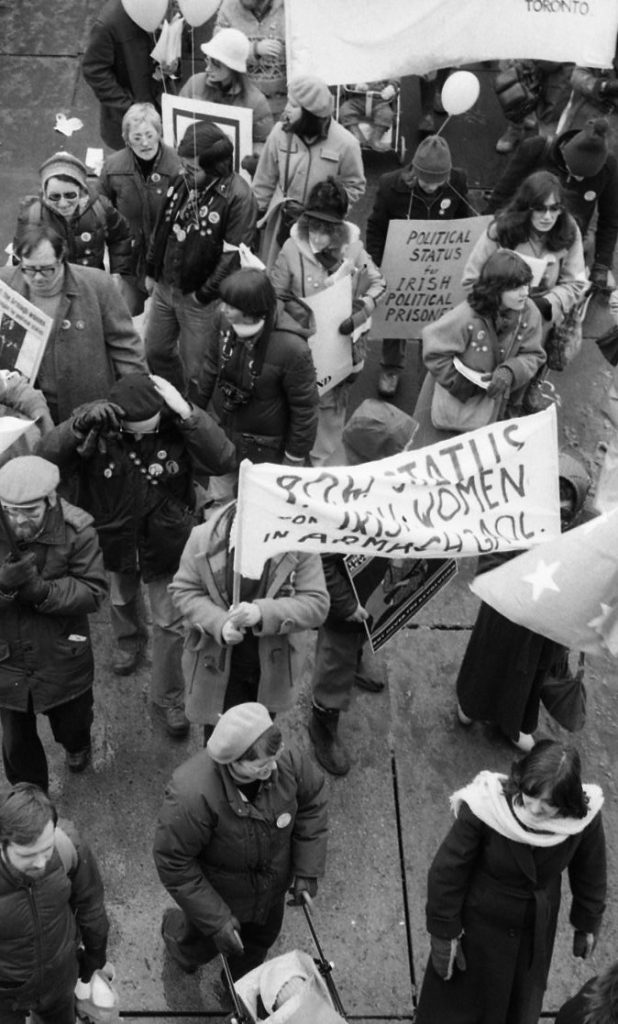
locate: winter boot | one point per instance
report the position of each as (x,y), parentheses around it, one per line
(328,748)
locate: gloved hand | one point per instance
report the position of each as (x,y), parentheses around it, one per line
(98,415)
(34,591)
(227,939)
(249,163)
(607,87)
(308,885)
(445,955)
(543,305)
(583,944)
(359,316)
(501,382)
(15,574)
(598,277)
(89,961)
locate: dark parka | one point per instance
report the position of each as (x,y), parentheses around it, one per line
(119,69)
(505,896)
(397,200)
(139,200)
(86,234)
(43,919)
(45,652)
(281,414)
(219,855)
(141,491)
(583,196)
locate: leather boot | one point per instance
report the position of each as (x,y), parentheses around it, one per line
(328,748)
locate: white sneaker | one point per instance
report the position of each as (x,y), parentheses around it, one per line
(524,742)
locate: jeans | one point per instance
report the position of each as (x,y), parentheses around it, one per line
(176,334)
(337,660)
(166,682)
(22,751)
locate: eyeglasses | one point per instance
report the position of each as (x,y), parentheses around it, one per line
(547,207)
(45,272)
(55,197)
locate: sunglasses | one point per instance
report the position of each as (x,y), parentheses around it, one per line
(55,197)
(547,207)
(46,272)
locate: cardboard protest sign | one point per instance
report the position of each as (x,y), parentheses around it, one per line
(394,594)
(331,351)
(11,429)
(423,264)
(24,331)
(237,122)
(493,489)
(368,40)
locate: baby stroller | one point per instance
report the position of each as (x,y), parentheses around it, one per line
(289,989)
(393,139)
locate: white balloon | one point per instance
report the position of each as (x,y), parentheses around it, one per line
(148,14)
(460,92)
(196,12)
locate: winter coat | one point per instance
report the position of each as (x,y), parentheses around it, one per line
(95,342)
(219,855)
(139,200)
(143,519)
(119,69)
(18,398)
(208,252)
(289,168)
(505,896)
(245,94)
(43,919)
(45,651)
(94,225)
(564,280)
(280,415)
(267,73)
(396,199)
(583,196)
(292,597)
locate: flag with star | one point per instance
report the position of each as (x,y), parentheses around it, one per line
(565,589)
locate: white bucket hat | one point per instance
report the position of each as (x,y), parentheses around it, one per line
(229,46)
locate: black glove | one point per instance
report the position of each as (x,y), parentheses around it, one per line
(34,591)
(607,88)
(445,955)
(598,277)
(301,885)
(501,382)
(583,944)
(359,316)
(89,961)
(249,163)
(543,305)
(227,939)
(99,415)
(15,574)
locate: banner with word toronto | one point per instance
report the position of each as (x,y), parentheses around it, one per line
(493,489)
(423,264)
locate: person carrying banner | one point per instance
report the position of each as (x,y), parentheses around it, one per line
(429,188)
(245,651)
(494,888)
(374,431)
(505,665)
(322,248)
(241,822)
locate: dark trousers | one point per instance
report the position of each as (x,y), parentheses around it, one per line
(55,1006)
(256,938)
(22,751)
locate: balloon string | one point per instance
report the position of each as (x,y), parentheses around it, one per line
(443,125)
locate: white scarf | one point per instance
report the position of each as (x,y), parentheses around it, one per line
(486,800)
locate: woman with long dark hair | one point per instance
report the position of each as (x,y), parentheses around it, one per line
(494,888)
(537,225)
(595,1003)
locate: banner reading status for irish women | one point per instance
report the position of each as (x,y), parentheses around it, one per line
(423,264)
(367,40)
(493,489)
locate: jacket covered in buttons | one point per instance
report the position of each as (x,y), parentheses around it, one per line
(462,332)
(292,597)
(219,855)
(95,342)
(45,651)
(205,253)
(95,225)
(139,200)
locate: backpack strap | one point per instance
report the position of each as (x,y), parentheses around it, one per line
(67,851)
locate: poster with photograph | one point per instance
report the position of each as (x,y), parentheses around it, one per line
(394,591)
(24,331)
(237,122)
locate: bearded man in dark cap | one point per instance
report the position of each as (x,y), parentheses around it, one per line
(208,212)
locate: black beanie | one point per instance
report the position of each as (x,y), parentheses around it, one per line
(207,143)
(586,153)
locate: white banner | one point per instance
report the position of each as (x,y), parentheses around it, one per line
(365,40)
(331,351)
(178,112)
(494,489)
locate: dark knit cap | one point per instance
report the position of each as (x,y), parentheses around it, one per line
(375,430)
(587,151)
(137,395)
(205,142)
(432,159)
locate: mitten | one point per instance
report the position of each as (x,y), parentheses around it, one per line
(500,383)
(90,960)
(607,87)
(34,591)
(583,944)
(14,574)
(227,939)
(301,885)
(445,955)
(358,318)
(543,305)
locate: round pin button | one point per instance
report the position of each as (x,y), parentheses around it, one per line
(284,820)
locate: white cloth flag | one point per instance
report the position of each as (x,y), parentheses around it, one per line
(494,489)
(11,427)
(365,40)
